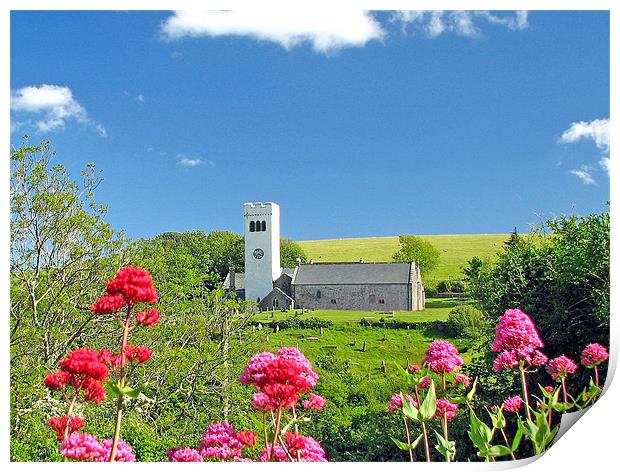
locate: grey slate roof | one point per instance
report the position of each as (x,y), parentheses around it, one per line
(288,271)
(354,273)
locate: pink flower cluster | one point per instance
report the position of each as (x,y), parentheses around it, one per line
(315,402)
(279,378)
(396,402)
(462,380)
(442,357)
(445,407)
(131,285)
(86,447)
(513,404)
(425,382)
(183,454)
(516,339)
(298,448)
(560,367)
(84,370)
(594,354)
(67,423)
(221,442)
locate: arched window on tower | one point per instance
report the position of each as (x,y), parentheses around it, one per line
(252,227)
(263,226)
(258,226)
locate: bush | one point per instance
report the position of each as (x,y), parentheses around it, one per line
(450,286)
(295,322)
(467,321)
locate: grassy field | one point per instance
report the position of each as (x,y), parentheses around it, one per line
(344,341)
(436,309)
(455,250)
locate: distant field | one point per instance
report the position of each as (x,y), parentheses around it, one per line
(456,250)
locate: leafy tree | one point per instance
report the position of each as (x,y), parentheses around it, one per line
(225,250)
(62,252)
(290,251)
(560,279)
(416,249)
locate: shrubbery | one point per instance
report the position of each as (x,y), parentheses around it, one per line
(467,321)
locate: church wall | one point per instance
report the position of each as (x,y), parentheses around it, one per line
(354,297)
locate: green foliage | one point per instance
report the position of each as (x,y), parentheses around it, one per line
(416,249)
(560,279)
(290,251)
(467,321)
(450,286)
(295,322)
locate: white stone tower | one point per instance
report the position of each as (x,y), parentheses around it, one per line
(262,248)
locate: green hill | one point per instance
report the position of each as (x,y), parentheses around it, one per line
(456,250)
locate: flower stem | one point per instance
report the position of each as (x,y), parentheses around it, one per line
(70,412)
(524,389)
(119,402)
(276,433)
(427,445)
(564,389)
(508,444)
(411,458)
(596,379)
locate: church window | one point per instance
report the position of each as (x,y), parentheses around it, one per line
(333,300)
(252,227)
(318,294)
(263,226)
(258,226)
(381,301)
(371,298)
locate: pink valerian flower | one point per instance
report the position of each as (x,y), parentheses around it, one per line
(81,447)
(537,359)
(148,318)
(281,378)
(315,402)
(414,369)
(462,379)
(247,438)
(513,404)
(507,360)
(59,424)
(183,454)
(396,402)
(560,367)
(57,380)
(83,363)
(220,442)
(124,452)
(516,332)
(447,407)
(138,354)
(442,357)
(301,448)
(549,389)
(593,354)
(424,382)
(134,285)
(107,304)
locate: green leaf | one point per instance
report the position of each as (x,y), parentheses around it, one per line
(481,433)
(415,443)
(445,447)
(131,392)
(516,440)
(112,389)
(499,450)
(472,392)
(409,410)
(401,445)
(429,404)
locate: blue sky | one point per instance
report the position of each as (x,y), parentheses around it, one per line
(357,124)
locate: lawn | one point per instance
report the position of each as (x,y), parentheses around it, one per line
(455,250)
(345,340)
(437,309)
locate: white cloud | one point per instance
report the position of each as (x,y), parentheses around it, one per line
(54,104)
(596,130)
(140,98)
(188,162)
(464,23)
(325,31)
(584,175)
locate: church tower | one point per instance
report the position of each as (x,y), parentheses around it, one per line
(262,248)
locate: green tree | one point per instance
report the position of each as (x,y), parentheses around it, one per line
(416,249)
(290,251)
(62,252)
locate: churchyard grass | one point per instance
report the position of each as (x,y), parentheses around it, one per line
(456,250)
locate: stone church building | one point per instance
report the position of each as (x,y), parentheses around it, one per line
(364,286)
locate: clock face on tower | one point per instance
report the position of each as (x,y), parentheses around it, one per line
(258,253)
